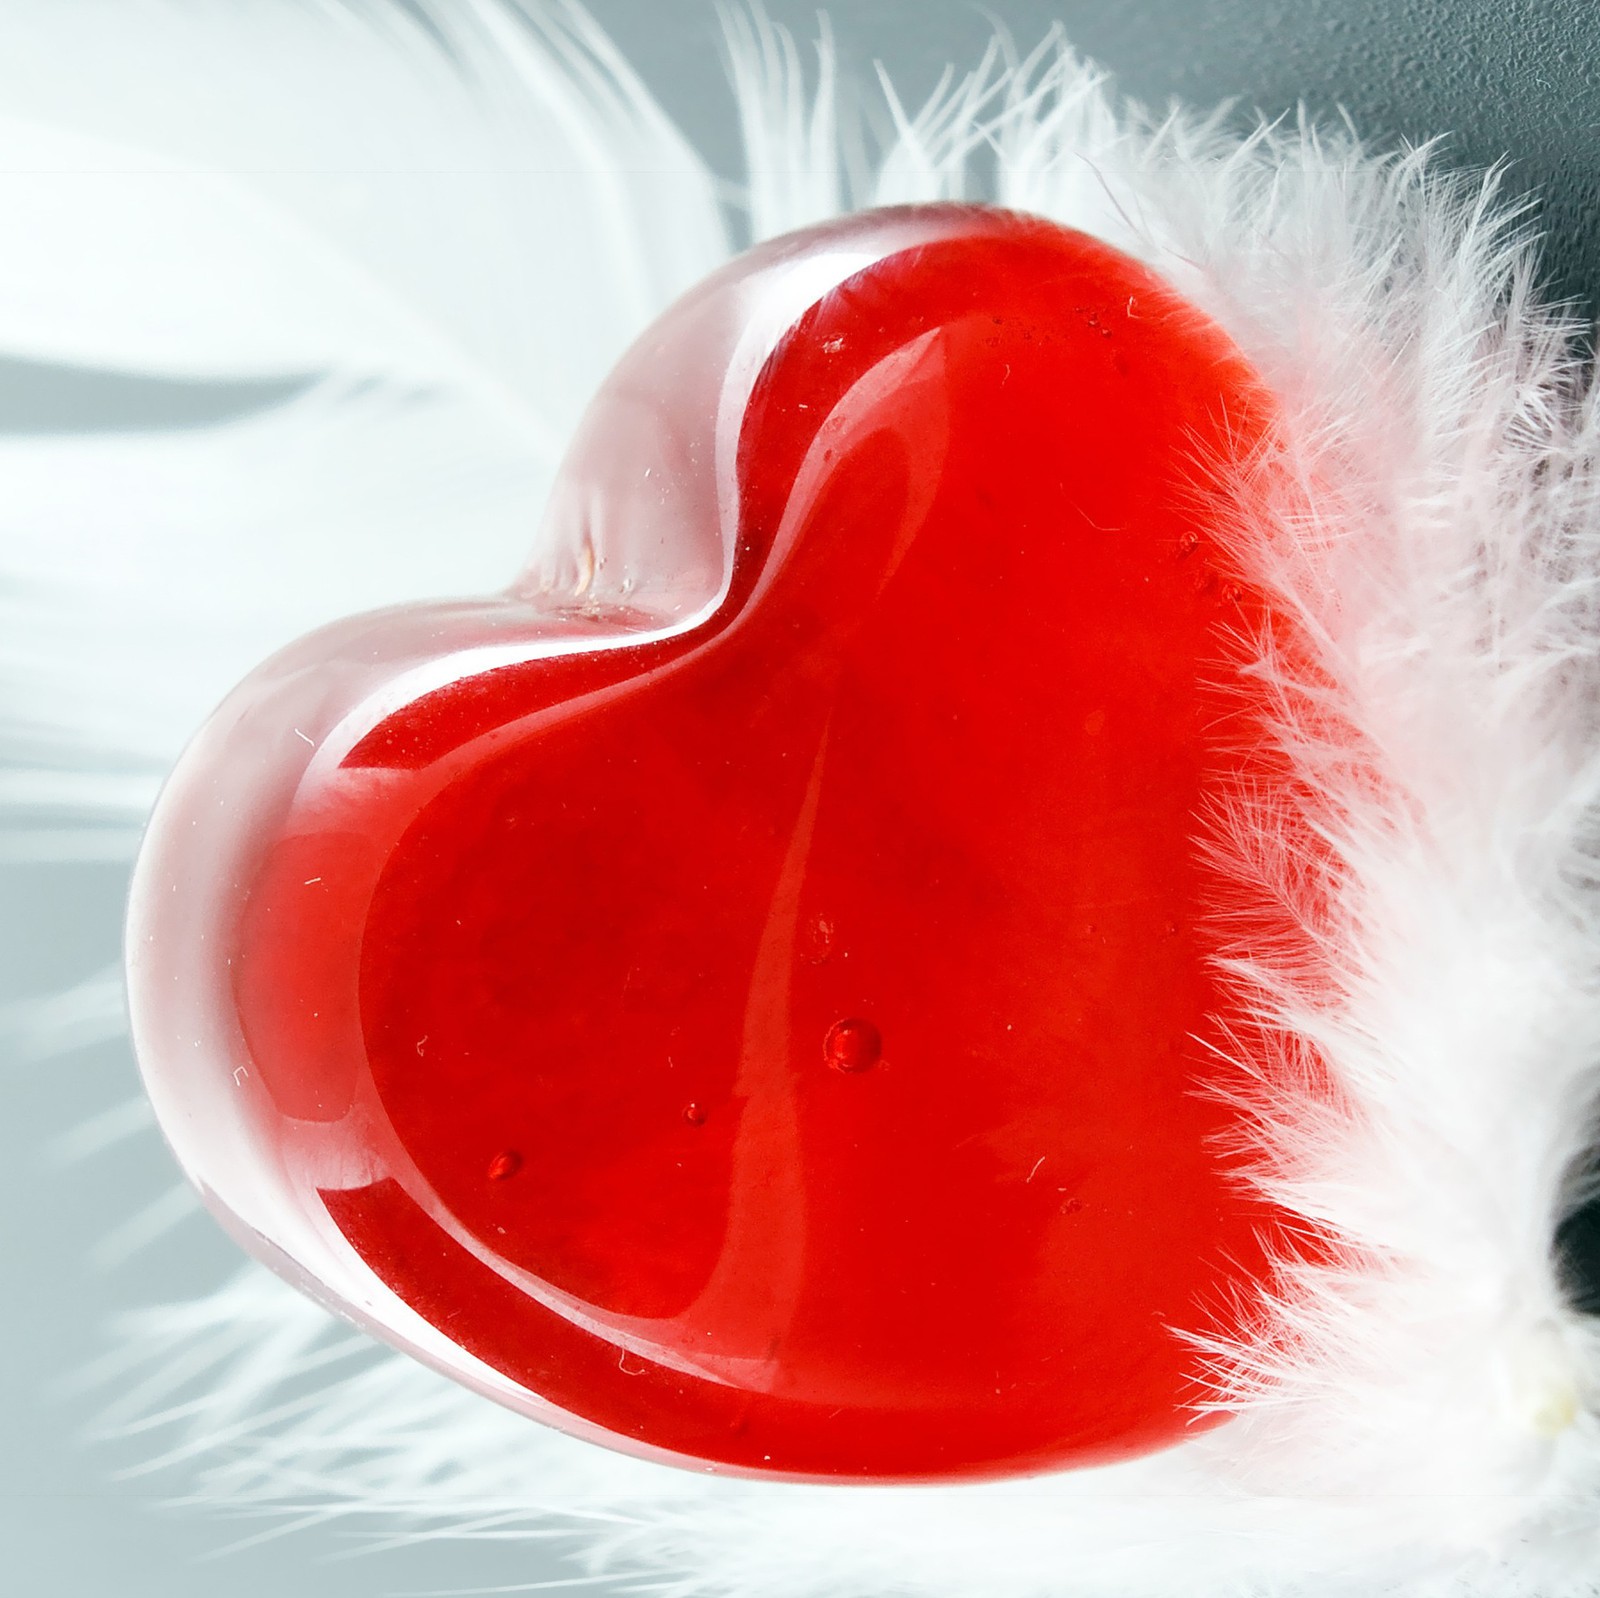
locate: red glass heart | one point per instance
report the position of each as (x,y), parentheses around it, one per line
(742,994)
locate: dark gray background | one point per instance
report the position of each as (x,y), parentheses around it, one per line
(1514,79)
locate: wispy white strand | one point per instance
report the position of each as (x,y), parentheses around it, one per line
(148,1224)
(67,846)
(930,156)
(93,1011)
(106,1130)
(793,155)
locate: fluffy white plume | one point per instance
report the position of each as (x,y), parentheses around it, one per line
(1422,1422)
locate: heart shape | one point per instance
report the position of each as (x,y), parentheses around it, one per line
(746,994)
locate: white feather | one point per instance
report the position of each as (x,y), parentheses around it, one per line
(1423,1421)
(451,220)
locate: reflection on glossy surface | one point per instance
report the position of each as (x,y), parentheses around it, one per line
(740,996)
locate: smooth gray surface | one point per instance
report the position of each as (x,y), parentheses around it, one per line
(1511,78)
